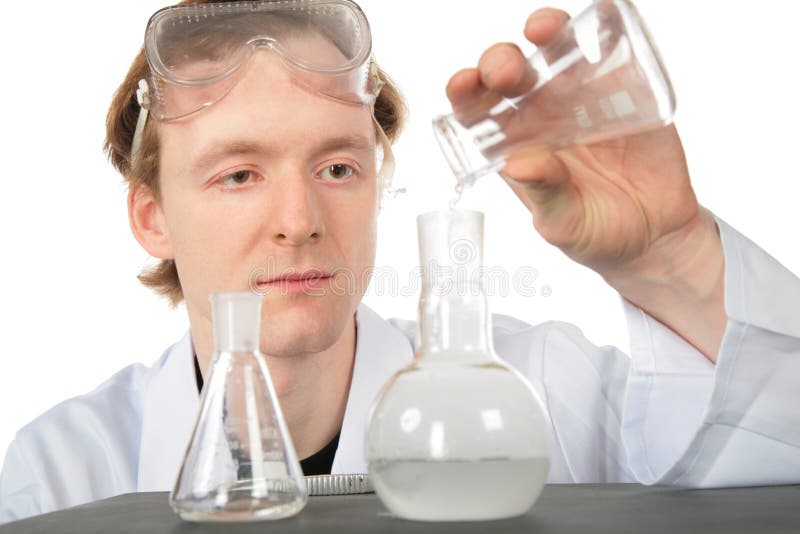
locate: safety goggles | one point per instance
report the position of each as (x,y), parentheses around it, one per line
(197,53)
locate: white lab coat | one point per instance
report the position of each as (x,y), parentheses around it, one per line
(662,415)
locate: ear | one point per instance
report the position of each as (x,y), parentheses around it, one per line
(148,223)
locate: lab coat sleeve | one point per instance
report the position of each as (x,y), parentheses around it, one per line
(20,492)
(83,449)
(686,422)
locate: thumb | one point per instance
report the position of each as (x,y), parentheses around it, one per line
(544,184)
(538,173)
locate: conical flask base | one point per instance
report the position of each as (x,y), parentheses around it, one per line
(240,464)
(240,505)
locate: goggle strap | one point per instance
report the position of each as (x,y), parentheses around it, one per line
(386,172)
(143,97)
(374,75)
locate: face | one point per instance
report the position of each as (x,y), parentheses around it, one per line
(273,181)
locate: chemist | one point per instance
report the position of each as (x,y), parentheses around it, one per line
(273,162)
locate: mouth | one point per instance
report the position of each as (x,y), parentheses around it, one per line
(308,281)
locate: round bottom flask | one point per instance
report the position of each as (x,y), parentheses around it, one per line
(457,435)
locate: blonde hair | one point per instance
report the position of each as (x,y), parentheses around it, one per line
(390,112)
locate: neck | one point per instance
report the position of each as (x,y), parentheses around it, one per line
(455,327)
(312,387)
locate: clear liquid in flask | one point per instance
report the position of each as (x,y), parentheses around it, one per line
(460,490)
(458,434)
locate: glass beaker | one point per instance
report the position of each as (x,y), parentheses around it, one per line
(240,464)
(457,434)
(599,78)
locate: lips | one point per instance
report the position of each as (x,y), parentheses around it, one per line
(306,281)
(307,274)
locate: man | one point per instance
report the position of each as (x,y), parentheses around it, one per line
(272,165)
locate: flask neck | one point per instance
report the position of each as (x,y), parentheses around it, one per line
(454,321)
(455,327)
(236,320)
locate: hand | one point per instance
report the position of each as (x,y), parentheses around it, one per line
(603,204)
(625,208)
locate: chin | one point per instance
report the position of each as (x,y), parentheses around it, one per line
(295,325)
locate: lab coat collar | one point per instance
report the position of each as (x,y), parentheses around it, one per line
(381,350)
(170,407)
(171,401)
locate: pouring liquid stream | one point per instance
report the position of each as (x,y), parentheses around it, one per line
(460,186)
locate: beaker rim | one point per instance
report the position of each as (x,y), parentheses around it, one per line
(450,214)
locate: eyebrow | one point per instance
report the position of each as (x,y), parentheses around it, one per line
(244,147)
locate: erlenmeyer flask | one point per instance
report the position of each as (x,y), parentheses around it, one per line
(601,77)
(456,435)
(240,464)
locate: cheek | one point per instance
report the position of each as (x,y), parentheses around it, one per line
(195,229)
(351,221)
(368,243)
(362,218)
(210,245)
(201,219)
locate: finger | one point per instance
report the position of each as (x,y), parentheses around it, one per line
(542,182)
(464,87)
(537,168)
(505,70)
(544,24)
(469,97)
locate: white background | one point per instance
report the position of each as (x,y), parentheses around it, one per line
(73,311)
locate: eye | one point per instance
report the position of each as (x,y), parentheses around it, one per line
(337,172)
(238,178)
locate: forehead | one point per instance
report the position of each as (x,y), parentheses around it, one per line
(202,59)
(267,107)
(267,91)
(187,37)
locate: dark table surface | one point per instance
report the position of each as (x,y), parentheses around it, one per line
(613,508)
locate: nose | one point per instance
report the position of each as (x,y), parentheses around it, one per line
(296,217)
